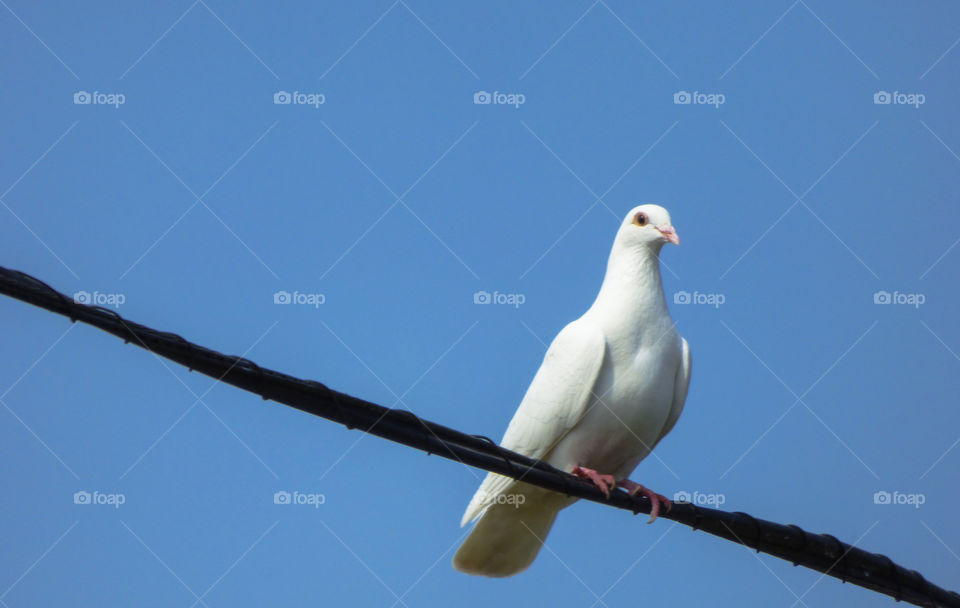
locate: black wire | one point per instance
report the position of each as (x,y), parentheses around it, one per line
(820,552)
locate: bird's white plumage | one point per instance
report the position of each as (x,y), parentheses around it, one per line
(557,398)
(612,384)
(681,385)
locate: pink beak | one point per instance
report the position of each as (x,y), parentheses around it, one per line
(669,234)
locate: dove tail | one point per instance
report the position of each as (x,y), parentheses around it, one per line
(510,533)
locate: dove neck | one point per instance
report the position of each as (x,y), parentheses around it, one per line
(632,288)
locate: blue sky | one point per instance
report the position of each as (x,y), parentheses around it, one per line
(816,284)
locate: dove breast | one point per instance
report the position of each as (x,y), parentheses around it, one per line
(629,406)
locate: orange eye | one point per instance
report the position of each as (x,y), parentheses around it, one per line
(641,219)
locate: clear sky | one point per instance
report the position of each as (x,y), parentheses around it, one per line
(816,282)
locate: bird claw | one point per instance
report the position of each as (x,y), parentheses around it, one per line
(604,482)
(608,482)
(633,488)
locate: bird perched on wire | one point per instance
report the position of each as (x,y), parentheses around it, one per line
(610,387)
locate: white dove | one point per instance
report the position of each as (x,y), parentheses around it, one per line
(611,386)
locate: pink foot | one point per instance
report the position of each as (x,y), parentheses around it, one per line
(604,482)
(655,499)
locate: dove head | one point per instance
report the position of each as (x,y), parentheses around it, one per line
(632,289)
(647,226)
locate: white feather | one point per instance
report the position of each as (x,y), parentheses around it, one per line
(555,401)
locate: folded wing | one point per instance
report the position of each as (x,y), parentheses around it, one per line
(558,397)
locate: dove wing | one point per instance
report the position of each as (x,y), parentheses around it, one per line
(680,387)
(557,399)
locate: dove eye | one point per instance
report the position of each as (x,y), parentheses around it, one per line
(641,219)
